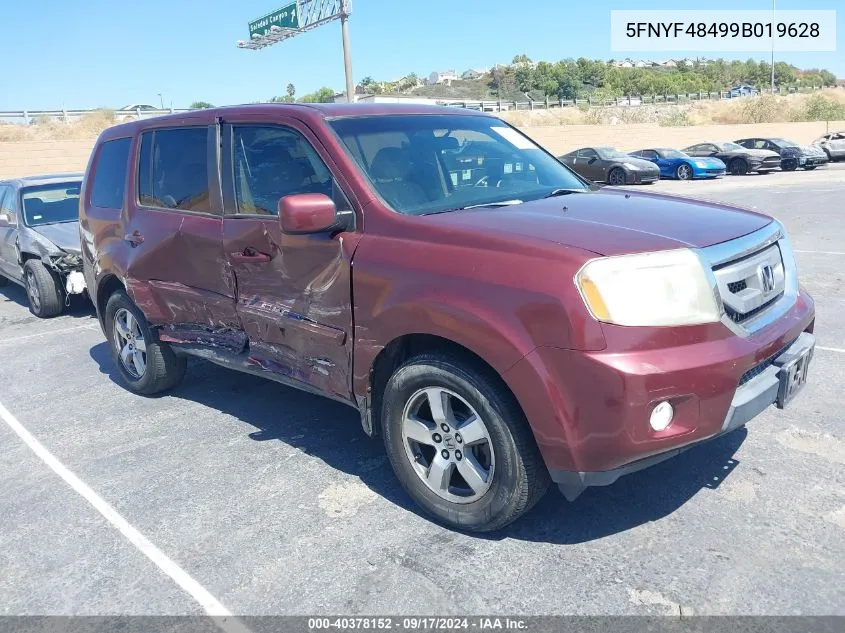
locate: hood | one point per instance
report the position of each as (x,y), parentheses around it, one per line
(612,222)
(65,235)
(640,163)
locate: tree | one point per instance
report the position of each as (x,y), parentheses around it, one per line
(521,60)
(323,95)
(291,91)
(200,105)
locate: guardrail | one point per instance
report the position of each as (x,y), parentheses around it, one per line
(28,116)
(628,101)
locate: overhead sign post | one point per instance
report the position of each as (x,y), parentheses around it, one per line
(299,17)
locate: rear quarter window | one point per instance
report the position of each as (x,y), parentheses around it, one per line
(109,184)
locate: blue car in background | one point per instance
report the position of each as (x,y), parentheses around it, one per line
(674,163)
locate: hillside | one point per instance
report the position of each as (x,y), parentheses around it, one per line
(580,78)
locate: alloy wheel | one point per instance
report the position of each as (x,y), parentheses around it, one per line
(684,172)
(129,343)
(448,445)
(617,177)
(32,291)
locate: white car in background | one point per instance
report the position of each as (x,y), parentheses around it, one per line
(833,144)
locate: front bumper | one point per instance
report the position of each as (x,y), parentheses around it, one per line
(590,414)
(708,172)
(752,397)
(811,161)
(766,164)
(643,177)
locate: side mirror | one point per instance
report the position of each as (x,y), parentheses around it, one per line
(305,213)
(592,160)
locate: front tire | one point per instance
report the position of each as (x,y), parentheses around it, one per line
(460,444)
(810,167)
(146,365)
(42,289)
(616,177)
(739,167)
(683,172)
(789,165)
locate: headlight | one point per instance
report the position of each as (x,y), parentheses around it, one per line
(631,166)
(649,289)
(701,163)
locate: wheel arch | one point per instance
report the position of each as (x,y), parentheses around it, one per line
(406,346)
(107,286)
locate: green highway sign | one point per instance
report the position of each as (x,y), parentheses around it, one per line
(285,18)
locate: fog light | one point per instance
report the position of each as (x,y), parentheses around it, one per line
(661,416)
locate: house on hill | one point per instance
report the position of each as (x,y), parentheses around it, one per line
(445,77)
(474,73)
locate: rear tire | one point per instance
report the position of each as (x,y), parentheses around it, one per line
(739,167)
(43,290)
(145,365)
(616,177)
(505,474)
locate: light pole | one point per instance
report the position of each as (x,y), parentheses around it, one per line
(774,30)
(160,101)
(347,56)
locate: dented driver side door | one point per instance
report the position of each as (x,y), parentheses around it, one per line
(293,292)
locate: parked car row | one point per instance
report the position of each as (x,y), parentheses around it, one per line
(498,320)
(710,159)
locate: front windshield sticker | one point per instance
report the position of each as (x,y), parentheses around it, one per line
(513,137)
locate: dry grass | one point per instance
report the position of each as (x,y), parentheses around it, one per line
(825,105)
(818,106)
(46,129)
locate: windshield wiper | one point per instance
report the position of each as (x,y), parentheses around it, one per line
(563,192)
(502,203)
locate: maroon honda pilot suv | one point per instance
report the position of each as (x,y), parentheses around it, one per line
(499,321)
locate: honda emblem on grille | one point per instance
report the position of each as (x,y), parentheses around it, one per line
(767,278)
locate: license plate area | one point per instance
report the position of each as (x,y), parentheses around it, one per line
(792,375)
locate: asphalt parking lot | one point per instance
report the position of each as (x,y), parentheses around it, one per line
(273,501)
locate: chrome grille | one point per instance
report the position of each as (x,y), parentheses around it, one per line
(738,317)
(750,284)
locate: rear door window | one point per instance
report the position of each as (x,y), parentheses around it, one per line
(109,184)
(173,169)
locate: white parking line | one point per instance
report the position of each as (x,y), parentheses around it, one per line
(820,252)
(831,349)
(212,606)
(90,326)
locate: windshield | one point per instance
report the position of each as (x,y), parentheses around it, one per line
(782,142)
(49,204)
(673,153)
(729,147)
(422,164)
(609,153)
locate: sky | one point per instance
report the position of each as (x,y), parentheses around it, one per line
(101,53)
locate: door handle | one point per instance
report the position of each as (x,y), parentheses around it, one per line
(249,256)
(135,238)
